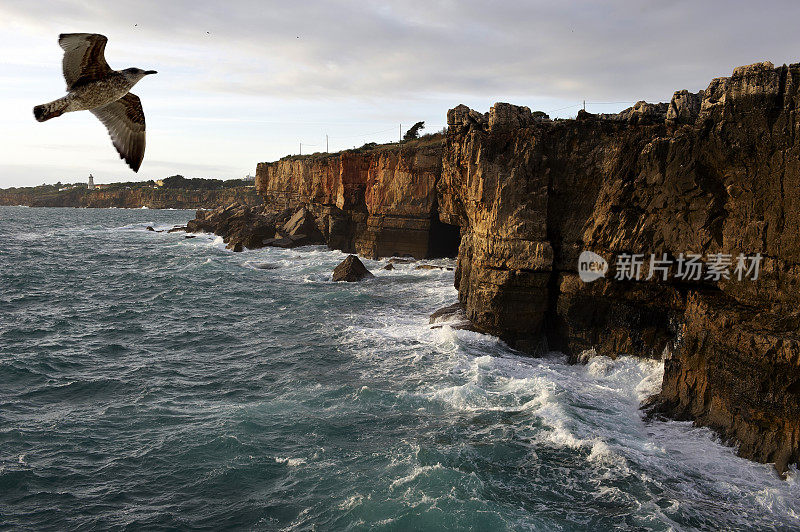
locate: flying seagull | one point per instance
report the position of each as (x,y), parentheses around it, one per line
(93,86)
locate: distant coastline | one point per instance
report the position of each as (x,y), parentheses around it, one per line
(177,194)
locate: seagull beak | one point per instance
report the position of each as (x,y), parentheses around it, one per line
(150,72)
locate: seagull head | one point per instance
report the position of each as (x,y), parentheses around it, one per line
(135,74)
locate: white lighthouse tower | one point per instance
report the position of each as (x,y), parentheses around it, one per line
(91,182)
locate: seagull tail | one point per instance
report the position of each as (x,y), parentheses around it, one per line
(46,111)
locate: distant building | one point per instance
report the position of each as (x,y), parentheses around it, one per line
(249,177)
(160,183)
(91,182)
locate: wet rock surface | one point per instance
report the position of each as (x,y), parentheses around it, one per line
(351,270)
(454,316)
(245,227)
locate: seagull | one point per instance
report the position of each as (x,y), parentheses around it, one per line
(93,86)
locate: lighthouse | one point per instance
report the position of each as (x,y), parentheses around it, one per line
(91,182)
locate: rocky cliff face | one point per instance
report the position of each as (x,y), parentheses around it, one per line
(134,198)
(715,173)
(710,179)
(377,203)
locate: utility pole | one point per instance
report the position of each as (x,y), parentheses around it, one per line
(326,143)
(401,132)
(301,148)
(584,105)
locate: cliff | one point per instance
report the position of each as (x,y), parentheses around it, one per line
(379,202)
(714,173)
(710,180)
(129,198)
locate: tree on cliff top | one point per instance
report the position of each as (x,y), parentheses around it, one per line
(413,132)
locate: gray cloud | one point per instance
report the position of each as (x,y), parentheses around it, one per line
(246,81)
(624,49)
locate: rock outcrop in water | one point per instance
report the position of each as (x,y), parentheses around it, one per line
(714,173)
(351,270)
(242,226)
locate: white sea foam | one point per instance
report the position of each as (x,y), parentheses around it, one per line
(291,462)
(445,421)
(591,409)
(351,502)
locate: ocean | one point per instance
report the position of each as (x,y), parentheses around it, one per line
(150,381)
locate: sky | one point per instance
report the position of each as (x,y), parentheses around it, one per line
(240,82)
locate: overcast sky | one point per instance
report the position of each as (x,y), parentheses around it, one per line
(248,81)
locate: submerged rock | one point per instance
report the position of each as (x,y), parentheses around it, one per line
(454,316)
(389,266)
(263,265)
(302,229)
(285,242)
(433,267)
(350,270)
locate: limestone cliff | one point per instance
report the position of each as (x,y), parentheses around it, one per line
(378,202)
(710,173)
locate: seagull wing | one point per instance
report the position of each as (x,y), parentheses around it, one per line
(84,58)
(124,120)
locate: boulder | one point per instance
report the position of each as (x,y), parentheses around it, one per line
(449,312)
(150,228)
(350,270)
(389,266)
(280,242)
(302,228)
(454,316)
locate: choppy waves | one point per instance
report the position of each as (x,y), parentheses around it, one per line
(154,381)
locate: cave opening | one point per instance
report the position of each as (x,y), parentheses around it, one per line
(443,238)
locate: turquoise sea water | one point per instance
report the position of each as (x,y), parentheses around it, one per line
(149,381)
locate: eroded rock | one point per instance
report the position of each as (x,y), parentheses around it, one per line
(454,316)
(351,270)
